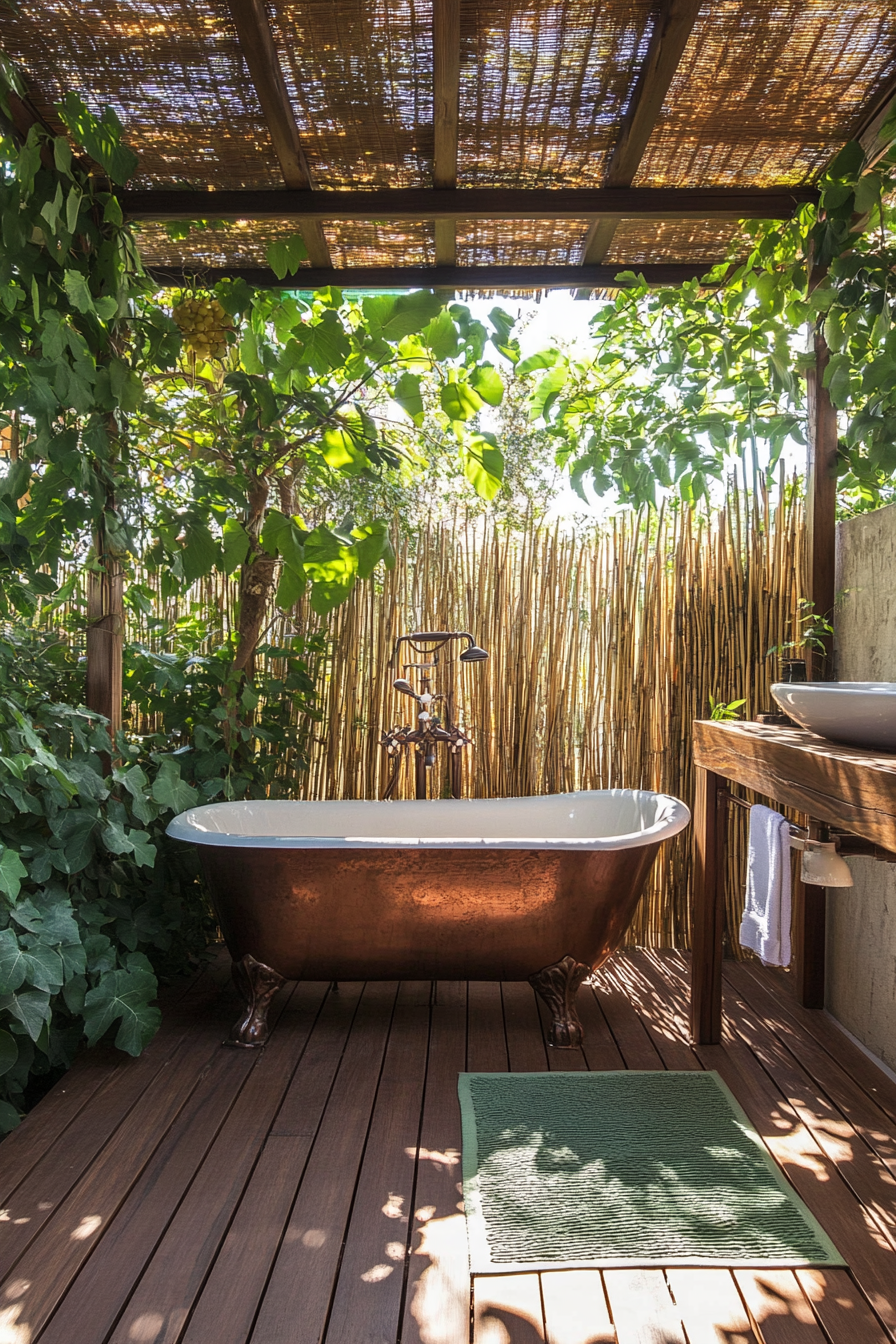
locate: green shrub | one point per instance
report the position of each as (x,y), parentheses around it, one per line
(94,903)
(232,736)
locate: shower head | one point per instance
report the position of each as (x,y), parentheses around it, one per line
(405,688)
(473,654)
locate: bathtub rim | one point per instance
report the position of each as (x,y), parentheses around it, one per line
(182,827)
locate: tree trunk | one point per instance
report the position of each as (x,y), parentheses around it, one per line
(256,586)
(256,581)
(105,634)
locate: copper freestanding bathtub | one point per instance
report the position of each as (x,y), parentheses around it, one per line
(536,888)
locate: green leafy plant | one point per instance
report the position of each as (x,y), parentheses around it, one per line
(93,902)
(185,694)
(239,456)
(815,632)
(679,383)
(724,713)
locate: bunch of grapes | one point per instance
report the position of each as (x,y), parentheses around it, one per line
(204,324)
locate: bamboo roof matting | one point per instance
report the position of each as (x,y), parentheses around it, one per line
(454,112)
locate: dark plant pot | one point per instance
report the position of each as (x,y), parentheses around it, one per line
(793,669)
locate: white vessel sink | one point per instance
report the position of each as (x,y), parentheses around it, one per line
(860,713)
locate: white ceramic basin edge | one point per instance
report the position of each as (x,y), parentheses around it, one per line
(858,713)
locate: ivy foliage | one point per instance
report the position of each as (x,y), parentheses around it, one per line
(73,338)
(677,382)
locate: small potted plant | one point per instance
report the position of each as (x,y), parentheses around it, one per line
(814,634)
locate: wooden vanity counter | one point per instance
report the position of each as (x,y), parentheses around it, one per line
(845,787)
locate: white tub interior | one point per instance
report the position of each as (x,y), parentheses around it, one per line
(599,819)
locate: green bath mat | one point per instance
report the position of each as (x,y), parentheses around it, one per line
(623,1169)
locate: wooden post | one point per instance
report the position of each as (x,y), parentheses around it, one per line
(807,962)
(708,916)
(105,635)
(821,539)
(821,498)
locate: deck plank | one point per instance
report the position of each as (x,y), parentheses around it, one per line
(97,1074)
(437,1295)
(816,1178)
(140,1230)
(486,1041)
(205,1212)
(840,1306)
(229,1301)
(575,1307)
(34,1191)
(667,1029)
(710,1306)
(368,1297)
(779,1311)
(297,1299)
(865,1115)
(507,1309)
(27,1145)
(637,1049)
(600,1049)
(526,1046)
(244,1196)
(817,1024)
(642,1307)
(73,1227)
(868,1177)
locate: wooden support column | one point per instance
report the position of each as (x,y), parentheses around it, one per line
(821,498)
(105,635)
(446,113)
(710,825)
(672,28)
(260,54)
(867,130)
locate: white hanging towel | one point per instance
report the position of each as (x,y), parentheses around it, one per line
(765,927)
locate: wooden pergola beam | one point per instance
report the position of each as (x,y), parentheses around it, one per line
(430,277)
(260,54)
(668,40)
(724,203)
(446,112)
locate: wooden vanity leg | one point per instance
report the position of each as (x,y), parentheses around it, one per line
(808,938)
(708,917)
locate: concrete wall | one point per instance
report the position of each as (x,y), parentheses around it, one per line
(861,922)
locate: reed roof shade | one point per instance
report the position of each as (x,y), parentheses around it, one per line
(538,140)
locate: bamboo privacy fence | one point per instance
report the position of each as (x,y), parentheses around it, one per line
(603,650)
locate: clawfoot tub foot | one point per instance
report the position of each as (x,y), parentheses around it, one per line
(257,984)
(557,985)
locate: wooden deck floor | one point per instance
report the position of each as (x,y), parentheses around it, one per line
(310,1191)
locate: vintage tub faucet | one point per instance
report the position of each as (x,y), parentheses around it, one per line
(435,714)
